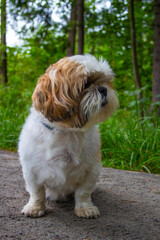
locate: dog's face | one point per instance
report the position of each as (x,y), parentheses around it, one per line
(76,92)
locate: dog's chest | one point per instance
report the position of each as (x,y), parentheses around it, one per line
(68,159)
(70,147)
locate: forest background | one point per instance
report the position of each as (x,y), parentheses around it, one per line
(125,33)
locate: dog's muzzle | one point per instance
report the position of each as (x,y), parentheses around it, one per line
(103,92)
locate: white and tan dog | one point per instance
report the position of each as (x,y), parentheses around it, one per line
(59,146)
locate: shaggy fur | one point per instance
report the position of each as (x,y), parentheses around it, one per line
(59,146)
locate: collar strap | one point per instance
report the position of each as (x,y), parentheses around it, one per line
(47,126)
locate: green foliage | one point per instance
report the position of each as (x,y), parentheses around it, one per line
(34,13)
(128,142)
(107,34)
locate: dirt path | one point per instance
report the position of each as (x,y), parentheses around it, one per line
(129,203)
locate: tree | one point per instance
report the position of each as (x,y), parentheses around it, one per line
(80,23)
(72,29)
(134,50)
(3,65)
(156,56)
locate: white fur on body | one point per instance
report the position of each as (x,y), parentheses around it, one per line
(62,161)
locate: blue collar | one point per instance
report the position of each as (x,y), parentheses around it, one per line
(47,126)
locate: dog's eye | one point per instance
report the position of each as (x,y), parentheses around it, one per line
(86,85)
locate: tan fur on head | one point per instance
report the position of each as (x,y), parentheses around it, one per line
(68,93)
(57,92)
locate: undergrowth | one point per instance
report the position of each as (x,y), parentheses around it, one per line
(128,142)
(14,107)
(131,143)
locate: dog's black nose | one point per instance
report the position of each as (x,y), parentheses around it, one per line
(103,91)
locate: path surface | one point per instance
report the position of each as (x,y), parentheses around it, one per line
(129,203)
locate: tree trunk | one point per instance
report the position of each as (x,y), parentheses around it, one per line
(134,51)
(3,64)
(72,30)
(80,21)
(156,56)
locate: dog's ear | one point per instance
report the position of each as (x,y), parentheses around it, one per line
(46,99)
(58,91)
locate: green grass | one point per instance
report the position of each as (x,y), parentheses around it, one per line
(14,107)
(128,142)
(131,143)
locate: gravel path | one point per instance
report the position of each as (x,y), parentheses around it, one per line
(129,203)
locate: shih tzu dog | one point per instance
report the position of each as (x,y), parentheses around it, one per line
(59,146)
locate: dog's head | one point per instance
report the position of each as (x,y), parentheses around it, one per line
(76,92)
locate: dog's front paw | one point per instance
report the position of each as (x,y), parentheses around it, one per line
(90,212)
(31,210)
